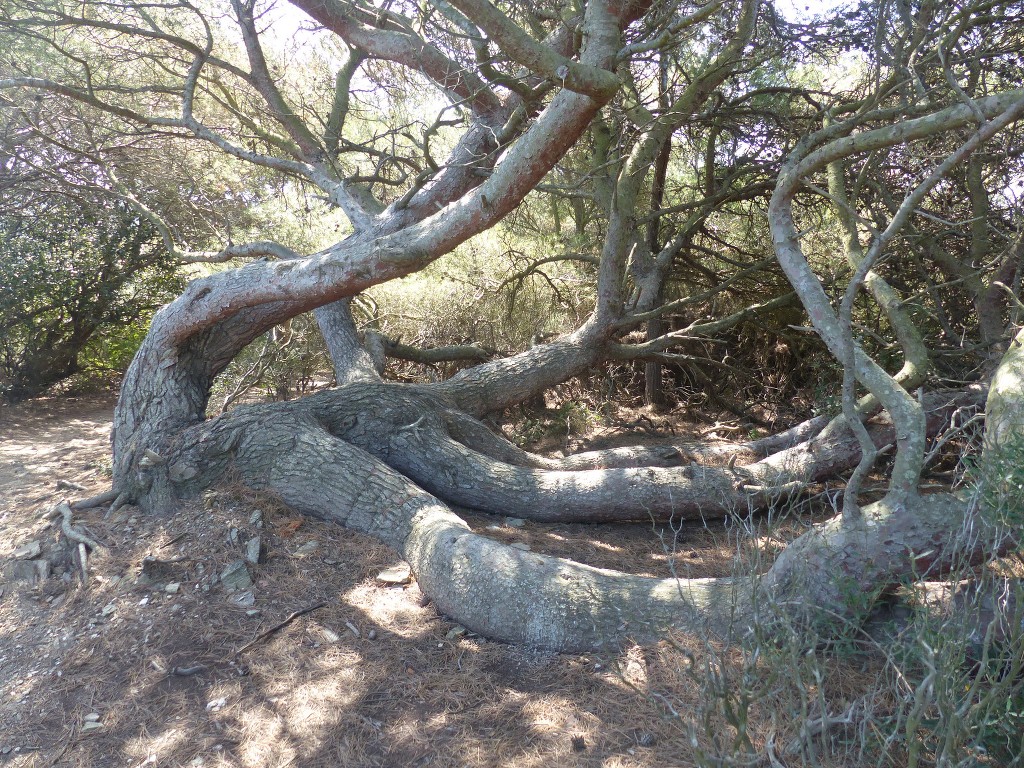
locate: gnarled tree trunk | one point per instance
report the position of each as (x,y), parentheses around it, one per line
(386,460)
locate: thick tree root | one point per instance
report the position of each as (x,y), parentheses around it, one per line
(375,458)
(490,588)
(840,567)
(462,462)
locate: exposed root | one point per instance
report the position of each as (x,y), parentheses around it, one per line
(490,588)
(83,562)
(119,501)
(72,533)
(840,566)
(371,462)
(99,500)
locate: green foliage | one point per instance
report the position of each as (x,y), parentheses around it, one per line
(1000,476)
(963,680)
(577,416)
(928,696)
(289,360)
(77,288)
(482,293)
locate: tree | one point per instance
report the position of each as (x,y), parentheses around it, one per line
(69,277)
(614,86)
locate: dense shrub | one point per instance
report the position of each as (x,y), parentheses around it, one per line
(77,285)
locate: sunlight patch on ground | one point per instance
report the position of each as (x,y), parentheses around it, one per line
(265,739)
(316,703)
(394,607)
(150,749)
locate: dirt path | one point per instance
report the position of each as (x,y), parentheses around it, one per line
(142,666)
(42,443)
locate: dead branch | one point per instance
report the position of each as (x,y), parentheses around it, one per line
(264,635)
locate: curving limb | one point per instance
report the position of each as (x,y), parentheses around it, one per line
(490,588)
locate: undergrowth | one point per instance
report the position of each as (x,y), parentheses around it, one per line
(934,679)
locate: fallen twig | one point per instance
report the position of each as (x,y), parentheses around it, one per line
(773,758)
(822,725)
(172,542)
(264,635)
(188,671)
(67,485)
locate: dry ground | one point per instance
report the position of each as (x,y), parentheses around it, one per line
(156,662)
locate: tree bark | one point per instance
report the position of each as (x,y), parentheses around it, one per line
(489,588)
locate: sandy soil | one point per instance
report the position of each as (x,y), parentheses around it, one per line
(155,661)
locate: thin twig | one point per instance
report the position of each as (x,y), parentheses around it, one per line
(264,635)
(172,542)
(188,671)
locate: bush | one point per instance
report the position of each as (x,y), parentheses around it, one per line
(78,285)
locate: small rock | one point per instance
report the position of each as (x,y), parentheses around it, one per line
(108,609)
(457,631)
(236,576)
(254,550)
(396,574)
(252,614)
(233,535)
(371,635)
(246,599)
(307,549)
(256,519)
(28,551)
(216,705)
(32,571)
(172,588)
(86,727)
(514,522)
(92,717)
(522,546)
